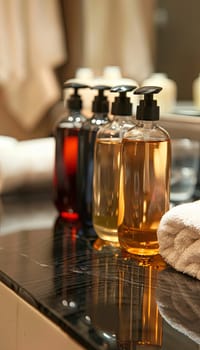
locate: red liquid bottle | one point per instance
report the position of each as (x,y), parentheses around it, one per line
(66,154)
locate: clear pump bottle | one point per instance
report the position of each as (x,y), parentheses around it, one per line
(87,137)
(66,154)
(107,165)
(146,156)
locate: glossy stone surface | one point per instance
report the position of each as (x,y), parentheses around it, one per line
(103,299)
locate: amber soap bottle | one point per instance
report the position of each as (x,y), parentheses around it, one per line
(144,197)
(66,155)
(107,165)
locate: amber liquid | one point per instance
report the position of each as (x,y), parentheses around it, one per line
(144,194)
(140,322)
(106,177)
(65,172)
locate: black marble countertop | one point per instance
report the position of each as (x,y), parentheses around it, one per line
(104,300)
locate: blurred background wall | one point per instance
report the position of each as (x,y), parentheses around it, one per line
(177,36)
(44,42)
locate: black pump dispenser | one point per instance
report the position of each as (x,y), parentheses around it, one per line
(100,103)
(122,104)
(74,102)
(148,109)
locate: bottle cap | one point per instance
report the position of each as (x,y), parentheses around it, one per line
(100,103)
(74,102)
(122,104)
(84,73)
(112,72)
(148,109)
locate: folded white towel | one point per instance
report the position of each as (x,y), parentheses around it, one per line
(25,164)
(179,238)
(177,297)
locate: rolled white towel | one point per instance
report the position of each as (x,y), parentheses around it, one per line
(26,163)
(179,238)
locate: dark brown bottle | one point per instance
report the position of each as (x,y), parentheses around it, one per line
(87,138)
(66,155)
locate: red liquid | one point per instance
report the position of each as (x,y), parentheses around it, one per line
(65,175)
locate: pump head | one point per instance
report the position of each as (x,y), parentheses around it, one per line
(122,104)
(148,109)
(74,102)
(100,103)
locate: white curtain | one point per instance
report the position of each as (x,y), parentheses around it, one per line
(32,44)
(119,32)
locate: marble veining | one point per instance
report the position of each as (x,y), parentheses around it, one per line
(104,300)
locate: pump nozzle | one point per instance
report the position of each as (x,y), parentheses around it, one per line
(100,103)
(148,109)
(74,102)
(122,104)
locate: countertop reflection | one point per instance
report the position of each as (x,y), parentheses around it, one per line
(103,299)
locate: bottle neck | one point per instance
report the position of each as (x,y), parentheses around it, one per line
(147,124)
(74,117)
(99,117)
(74,111)
(121,117)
